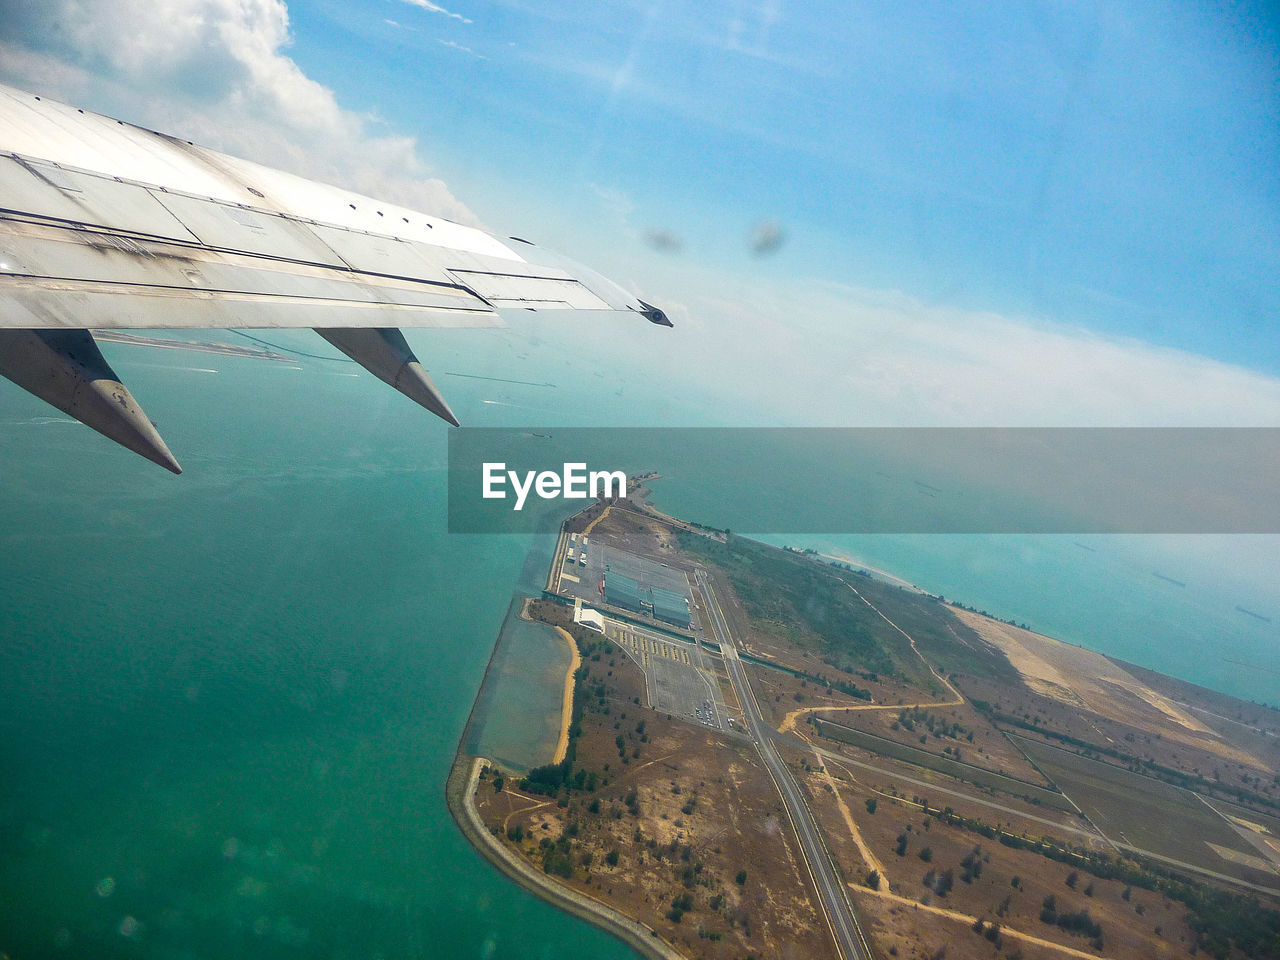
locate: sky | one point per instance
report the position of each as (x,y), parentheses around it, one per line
(986,214)
(974,213)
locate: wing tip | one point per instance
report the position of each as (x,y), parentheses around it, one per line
(655,315)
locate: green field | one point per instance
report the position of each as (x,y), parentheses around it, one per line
(1142,812)
(952,768)
(795,599)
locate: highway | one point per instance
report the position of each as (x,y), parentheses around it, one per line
(847,933)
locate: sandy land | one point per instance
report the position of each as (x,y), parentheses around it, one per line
(868,857)
(875,571)
(1071,674)
(1088,680)
(461,792)
(592,525)
(566,708)
(969,920)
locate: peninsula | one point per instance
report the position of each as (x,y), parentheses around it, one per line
(770,752)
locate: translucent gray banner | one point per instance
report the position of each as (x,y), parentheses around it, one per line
(883,480)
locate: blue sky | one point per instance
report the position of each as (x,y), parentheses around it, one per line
(1112,168)
(1032,213)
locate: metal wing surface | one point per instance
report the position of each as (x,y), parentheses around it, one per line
(108,225)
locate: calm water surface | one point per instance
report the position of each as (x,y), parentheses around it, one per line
(229,701)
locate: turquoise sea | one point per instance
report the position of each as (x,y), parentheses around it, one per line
(229,700)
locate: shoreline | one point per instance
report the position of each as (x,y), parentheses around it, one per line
(874,571)
(566,701)
(459,792)
(459,789)
(523,864)
(566,707)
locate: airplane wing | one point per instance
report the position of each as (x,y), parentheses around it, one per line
(104,225)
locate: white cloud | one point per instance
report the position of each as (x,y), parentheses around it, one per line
(216,72)
(453,45)
(436,8)
(617,202)
(824,354)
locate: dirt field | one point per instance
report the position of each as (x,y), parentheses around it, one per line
(1088,681)
(1152,815)
(780,694)
(955,731)
(1129,927)
(680,817)
(682,828)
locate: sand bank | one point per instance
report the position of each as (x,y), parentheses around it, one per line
(566,706)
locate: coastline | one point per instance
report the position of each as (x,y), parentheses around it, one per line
(459,790)
(480,813)
(566,702)
(874,571)
(566,708)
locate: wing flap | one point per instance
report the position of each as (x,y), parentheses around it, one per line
(62,276)
(386,256)
(517,290)
(47,191)
(228,226)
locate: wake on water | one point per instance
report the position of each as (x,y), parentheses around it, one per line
(38,421)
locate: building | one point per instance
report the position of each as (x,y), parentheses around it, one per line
(622,591)
(589,618)
(657,602)
(670,607)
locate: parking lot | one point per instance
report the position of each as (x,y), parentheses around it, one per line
(578,579)
(676,680)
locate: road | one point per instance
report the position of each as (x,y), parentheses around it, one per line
(834,901)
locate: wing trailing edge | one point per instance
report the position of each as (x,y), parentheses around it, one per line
(108,225)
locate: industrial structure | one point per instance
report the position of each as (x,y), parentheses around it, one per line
(647,587)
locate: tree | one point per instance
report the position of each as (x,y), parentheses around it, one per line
(946,880)
(927,854)
(611,857)
(1072,878)
(741,878)
(873,879)
(871,804)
